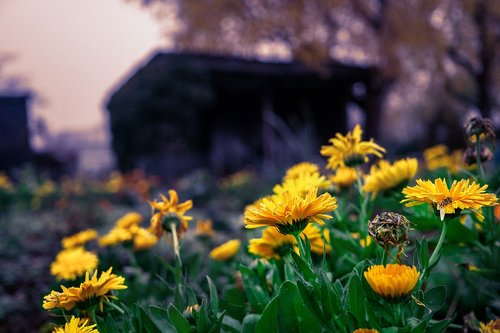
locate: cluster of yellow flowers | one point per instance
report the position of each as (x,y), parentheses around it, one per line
(127,229)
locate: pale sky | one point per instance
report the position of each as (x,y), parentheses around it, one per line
(72,53)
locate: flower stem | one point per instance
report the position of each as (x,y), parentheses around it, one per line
(363,200)
(478,157)
(302,250)
(175,241)
(435,254)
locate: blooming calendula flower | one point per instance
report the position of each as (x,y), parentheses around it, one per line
(343,178)
(79,239)
(393,281)
(204,229)
(128,220)
(464,194)
(349,150)
(115,236)
(385,176)
(77,325)
(127,229)
(95,290)
(493,326)
(172,210)
(273,244)
(73,263)
(365,330)
(438,157)
(290,213)
(226,251)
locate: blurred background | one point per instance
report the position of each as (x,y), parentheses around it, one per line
(186,93)
(169,86)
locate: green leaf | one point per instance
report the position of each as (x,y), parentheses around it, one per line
(423,254)
(302,267)
(440,326)
(250,323)
(293,315)
(356,298)
(203,322)
(177,319)
(256,295)
(214,297)
(160,317)
(233,303)
(435,298)
(268,320)
(146,323)
(231,325)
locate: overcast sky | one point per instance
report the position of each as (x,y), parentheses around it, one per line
(72,53)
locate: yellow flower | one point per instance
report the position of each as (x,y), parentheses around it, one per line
(385,176)
(298,170)
(492,327)
(344,177)
(301,184)
(349,150)
(92,289)
(115,182)
(392,281)
(204,229)
(72,263)
(365,330)
(115,236)
(438,157)
(5,182)
(290,213)
(320,241)
(79,239)
(226,251)
(272,245)
(463,194)
(128,220)
(76,325)
(170,208)
(143,239)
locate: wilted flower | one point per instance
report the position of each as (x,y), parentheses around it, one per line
(470,155)
(79,239)
(170,211)
(226,251)
(389,228)
(290,213)
(349,150)
(95,290)
(393,281)
(385,176)
(493,326)
(479,127)
(463,194)
(76,325)
(72,263)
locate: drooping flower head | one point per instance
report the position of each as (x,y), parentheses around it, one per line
(79,239)
(76,325)
(72,263)
(464,194)
(385,176)
(226,251)
(344,177)
(273,244)
(290,213)
(170,211)
(349,150)
(394,281)
(94,290)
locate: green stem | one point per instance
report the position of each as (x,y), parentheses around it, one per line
(302,250)
(478,157)
(176,243)
(437,250)
(362,205)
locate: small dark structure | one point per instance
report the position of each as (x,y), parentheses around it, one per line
(182,111)
(15,146)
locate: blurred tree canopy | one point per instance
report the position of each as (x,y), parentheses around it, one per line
(435,60)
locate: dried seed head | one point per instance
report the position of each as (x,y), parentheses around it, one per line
(389,228)
(470,155)
(482,128)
